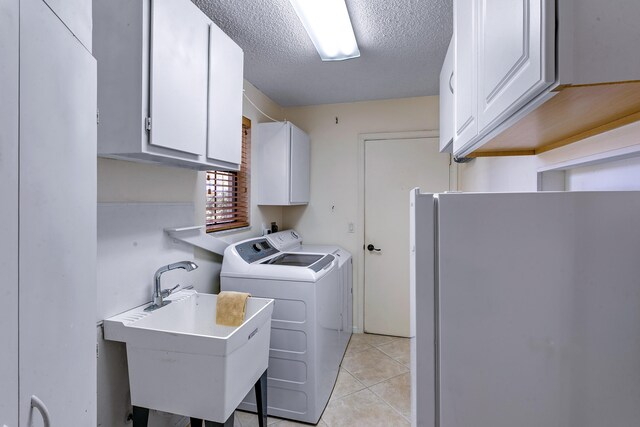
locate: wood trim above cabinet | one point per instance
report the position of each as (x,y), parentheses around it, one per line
(575,113)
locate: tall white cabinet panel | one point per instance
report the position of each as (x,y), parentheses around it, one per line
(538,308)
(447,104)
(515,55)
(9,212)
(179,76)
(76,15)
(224,139)
(57,220)
(283,164)
(423,297)
(465,82)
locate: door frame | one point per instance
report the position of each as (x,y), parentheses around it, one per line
(358,289)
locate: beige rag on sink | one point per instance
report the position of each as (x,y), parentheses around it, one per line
(230,308)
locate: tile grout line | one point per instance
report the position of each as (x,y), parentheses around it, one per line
(348,394)
(369,346)
(388,379)
(391,358)
(387,403)
(401,365)
(353,392)
(358,352)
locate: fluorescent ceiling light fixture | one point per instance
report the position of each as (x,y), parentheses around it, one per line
(329,27)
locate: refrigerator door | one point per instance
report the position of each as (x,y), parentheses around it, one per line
(539,309)
(422,324)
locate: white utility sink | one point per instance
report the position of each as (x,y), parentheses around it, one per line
(182,362)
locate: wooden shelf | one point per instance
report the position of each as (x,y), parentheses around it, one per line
(575,113)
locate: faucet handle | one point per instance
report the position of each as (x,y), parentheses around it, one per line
(166,292)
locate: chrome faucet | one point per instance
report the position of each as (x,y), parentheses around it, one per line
(158,293)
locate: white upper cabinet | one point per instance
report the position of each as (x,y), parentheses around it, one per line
(534,75)
(465,73)
(225,106)
(300,165)
(447,113)
(179,76)
(515,55)
(283,164)
(169,85)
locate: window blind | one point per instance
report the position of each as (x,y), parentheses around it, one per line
(228,192)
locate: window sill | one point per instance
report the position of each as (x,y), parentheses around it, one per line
(229,231)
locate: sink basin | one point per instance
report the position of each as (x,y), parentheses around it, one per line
(180,361)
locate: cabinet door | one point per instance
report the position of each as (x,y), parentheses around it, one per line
(447,112)
(179,76)
(300,163)
(224,138)
(515,56)
(9,212)
(272,170)
(465,77)
(57,291)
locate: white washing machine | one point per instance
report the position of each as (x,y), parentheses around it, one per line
(312,316)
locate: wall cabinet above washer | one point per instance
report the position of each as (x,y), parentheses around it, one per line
(169,85)
(283,164)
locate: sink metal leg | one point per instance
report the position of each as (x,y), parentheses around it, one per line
(228,423)
(261,399)
(140,416)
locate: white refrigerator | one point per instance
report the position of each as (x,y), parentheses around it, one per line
(525,309)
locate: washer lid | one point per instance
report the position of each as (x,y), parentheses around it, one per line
(294,259)
(315,262)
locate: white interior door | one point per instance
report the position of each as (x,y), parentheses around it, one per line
(392,168)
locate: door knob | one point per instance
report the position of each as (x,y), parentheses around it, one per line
(372,248)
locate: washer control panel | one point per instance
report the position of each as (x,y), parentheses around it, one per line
(285,240)
(255,250)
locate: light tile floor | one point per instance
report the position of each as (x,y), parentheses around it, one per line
(373,387)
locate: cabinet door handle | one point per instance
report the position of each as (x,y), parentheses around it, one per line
(42,408)
(451,82)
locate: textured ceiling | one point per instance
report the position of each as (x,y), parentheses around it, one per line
(402,45)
